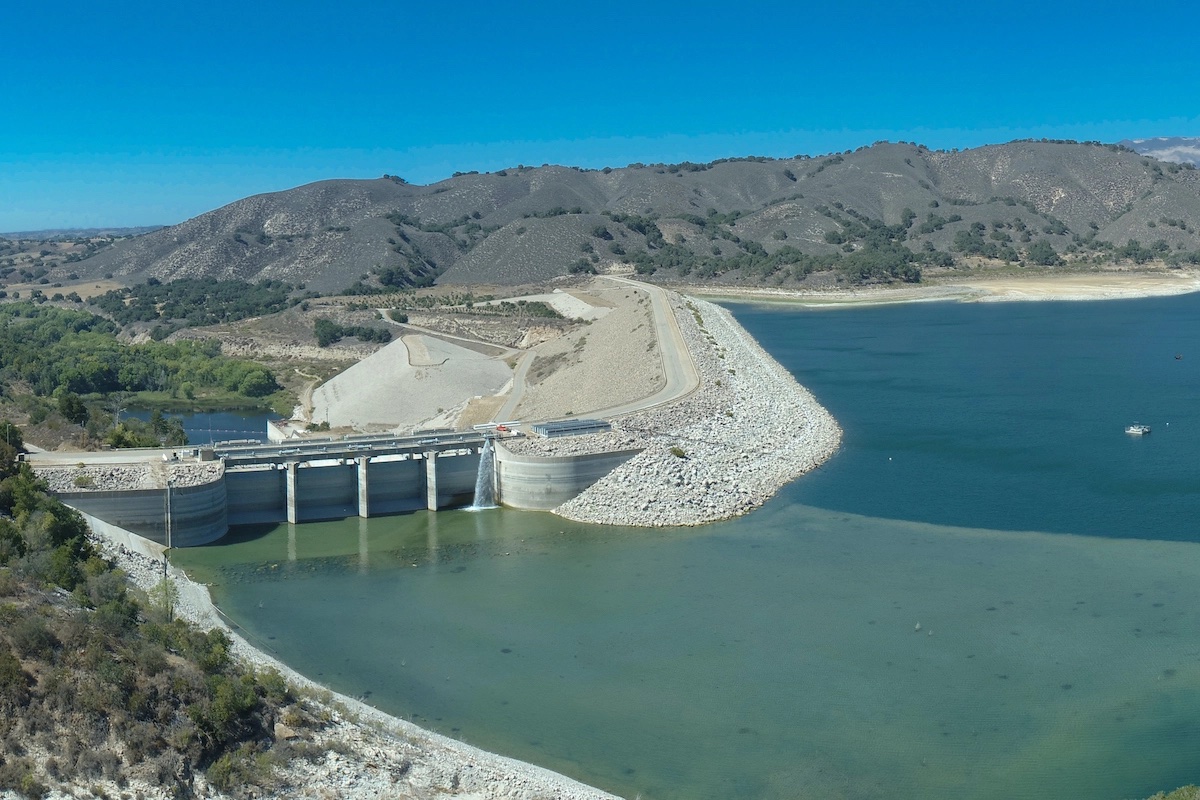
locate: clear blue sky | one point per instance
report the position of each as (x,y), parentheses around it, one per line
(135,113)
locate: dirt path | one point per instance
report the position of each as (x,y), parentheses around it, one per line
(306,396)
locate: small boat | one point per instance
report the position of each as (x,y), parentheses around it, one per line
(1138,429)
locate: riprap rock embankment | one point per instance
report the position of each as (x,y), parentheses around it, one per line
(725,449)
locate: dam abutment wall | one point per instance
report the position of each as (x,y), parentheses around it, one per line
(198,514)
(540,483)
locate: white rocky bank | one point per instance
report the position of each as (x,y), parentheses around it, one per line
(369,755)
(725,449)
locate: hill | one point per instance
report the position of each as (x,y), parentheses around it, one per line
(880,213)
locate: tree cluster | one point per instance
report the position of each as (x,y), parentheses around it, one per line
(329,332)
(120,684)
(192,302)
(51,349)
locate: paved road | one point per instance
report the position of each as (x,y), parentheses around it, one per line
(678,367)
(518,388)
(60,458)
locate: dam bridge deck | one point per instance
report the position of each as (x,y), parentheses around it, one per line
(238,455)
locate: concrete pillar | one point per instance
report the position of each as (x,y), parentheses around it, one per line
(364,488)
(292,515)
(431,487)
(431,538)
(364,557)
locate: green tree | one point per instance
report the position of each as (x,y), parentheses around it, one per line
(72,408)
(257,383)
(327,332)
(12,435)
(1042,252)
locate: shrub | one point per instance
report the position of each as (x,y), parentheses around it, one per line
(246,766)
(16,775)
(33,638)
(14,682)
(274,686)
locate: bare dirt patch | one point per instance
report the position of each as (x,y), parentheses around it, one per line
(1099,286)
(611,360)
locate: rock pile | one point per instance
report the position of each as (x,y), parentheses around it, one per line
(720,452)
(123,477)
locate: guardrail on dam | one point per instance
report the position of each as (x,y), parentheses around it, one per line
(316,480)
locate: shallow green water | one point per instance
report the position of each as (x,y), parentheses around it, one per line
(777,656)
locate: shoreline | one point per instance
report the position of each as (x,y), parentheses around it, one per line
(1074,287)
(747,430)
(388,756)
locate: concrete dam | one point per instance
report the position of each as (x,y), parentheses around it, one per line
(251,483)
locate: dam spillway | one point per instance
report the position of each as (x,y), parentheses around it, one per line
(193,498)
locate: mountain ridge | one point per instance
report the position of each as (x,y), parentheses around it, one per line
(748,219)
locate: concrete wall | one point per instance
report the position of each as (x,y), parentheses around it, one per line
(127,539)
(198,513)
(396,486)
(326,492)
(256,496)
(259,495)
(203,514)
(546,482)
(456,479)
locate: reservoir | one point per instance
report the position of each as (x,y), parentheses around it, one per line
(207,427)
(989,593)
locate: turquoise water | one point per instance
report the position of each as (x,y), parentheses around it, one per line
(778,656)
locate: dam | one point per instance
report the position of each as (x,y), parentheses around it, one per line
(186,498)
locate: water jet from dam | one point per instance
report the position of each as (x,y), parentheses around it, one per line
(485,480)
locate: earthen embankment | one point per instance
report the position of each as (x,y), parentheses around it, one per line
(721,451)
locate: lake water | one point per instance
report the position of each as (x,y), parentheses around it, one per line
(986,492)
(207,427)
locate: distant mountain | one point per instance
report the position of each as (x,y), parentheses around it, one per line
(880,212)
(59,234)
(1177,149)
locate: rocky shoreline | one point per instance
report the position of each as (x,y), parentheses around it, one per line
(368,754)
(722,451)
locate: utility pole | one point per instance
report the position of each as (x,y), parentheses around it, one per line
(168,529)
